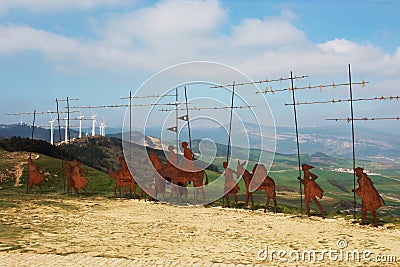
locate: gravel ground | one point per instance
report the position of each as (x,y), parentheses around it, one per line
(97,231)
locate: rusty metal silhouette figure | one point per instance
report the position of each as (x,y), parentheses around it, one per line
(159,181)
(124,178)
(172,162)
(34,175)
(180,177)
(258,177)
(311,188)
(172,157)
(163,173)
(371,200)
(68,173)
(188,164)
(231,186)
(80,181)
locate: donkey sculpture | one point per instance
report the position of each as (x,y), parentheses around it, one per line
(266,184)
(121,181)
(123,178)
(180,177)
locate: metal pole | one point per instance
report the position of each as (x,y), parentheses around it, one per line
(188,120)
(230,123)
(176,118)
(69,134)
(297,141)
(352,138)
(33,124)
(59,135)
(130,127)
(32,135)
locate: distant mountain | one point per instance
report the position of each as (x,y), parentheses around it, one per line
(140,139)
(25,131)
(39,133)
(370,144)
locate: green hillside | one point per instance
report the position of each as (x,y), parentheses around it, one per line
(53,171)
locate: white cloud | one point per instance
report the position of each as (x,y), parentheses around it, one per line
(368,58)
(15,39)
(175,31)
(338,46)
(170,27)
(43,6)
(269,33)
(149,39)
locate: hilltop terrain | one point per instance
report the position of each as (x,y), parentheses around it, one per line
(99,229)
(100,153)
(96,231)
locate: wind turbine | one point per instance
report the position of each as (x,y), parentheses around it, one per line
(94,124)
(66,130)
(80,125)
(102,129)
(52,129)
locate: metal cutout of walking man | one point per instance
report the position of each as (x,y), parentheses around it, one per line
(311,188)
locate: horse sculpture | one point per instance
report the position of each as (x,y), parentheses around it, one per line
(179,177)
(159,181)
(267,185)
(121,181)
(34,176)
(124,178)
(231,186)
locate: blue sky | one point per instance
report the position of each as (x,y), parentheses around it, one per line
(98,50)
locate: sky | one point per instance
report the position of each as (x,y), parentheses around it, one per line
(99,50)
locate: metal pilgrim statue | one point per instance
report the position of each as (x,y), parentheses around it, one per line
(34,175)
(188,164)
(75,178)
(371,200)
(80,181)
(172,158)
(311,188)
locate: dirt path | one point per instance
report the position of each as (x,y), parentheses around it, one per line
(159,234)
